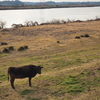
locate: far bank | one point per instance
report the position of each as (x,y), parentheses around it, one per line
(43,6)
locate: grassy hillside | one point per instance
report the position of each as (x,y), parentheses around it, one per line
(70,54)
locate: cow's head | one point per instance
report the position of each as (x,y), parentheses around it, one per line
(38,69)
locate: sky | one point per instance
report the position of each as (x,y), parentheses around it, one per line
(58,0)
(52,0)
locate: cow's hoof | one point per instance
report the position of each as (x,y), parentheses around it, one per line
(13,87)
(30,85)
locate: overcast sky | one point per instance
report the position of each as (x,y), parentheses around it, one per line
(52,0)
(59,0)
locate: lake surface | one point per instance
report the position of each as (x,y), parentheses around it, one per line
(44,15)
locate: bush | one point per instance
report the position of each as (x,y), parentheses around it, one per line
(82,36)
(5,50)
(11,48)
(77,37)
(25,47)
(86,35)
(2,24)
(58,41)
(21,49)
(4,43)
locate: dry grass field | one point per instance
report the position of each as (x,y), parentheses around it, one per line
(69,53)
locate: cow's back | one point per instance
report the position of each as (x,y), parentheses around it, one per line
(24,71)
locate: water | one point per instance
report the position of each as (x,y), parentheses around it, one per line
(44,15)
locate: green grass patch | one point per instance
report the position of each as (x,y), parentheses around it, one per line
(58,63)
(32,59)
(76,61)
(84,81)
(73,85)
(29,98)
(29,60)
(89,78)
(70,80)
(26,91)
(3,77)
(3,55)
(75,88)
(94,81)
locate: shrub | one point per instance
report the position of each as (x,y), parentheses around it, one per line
(11,48)
(82,36)
(25,47)
(5,50)
(58,41)
(4,43)
(86,35)
(77,37)
(21,49)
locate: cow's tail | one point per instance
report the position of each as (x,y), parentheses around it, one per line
(8,74)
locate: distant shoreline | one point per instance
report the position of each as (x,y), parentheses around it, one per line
(44,7)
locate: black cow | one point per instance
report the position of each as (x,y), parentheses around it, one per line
(23,72)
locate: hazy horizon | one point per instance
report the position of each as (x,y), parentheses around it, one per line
(55,0)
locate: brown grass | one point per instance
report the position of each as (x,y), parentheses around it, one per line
(44,50)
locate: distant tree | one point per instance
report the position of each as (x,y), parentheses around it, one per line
(2,24)
(30,23)
(27,23)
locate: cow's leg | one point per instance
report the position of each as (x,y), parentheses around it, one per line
(30,82)
(12,82)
